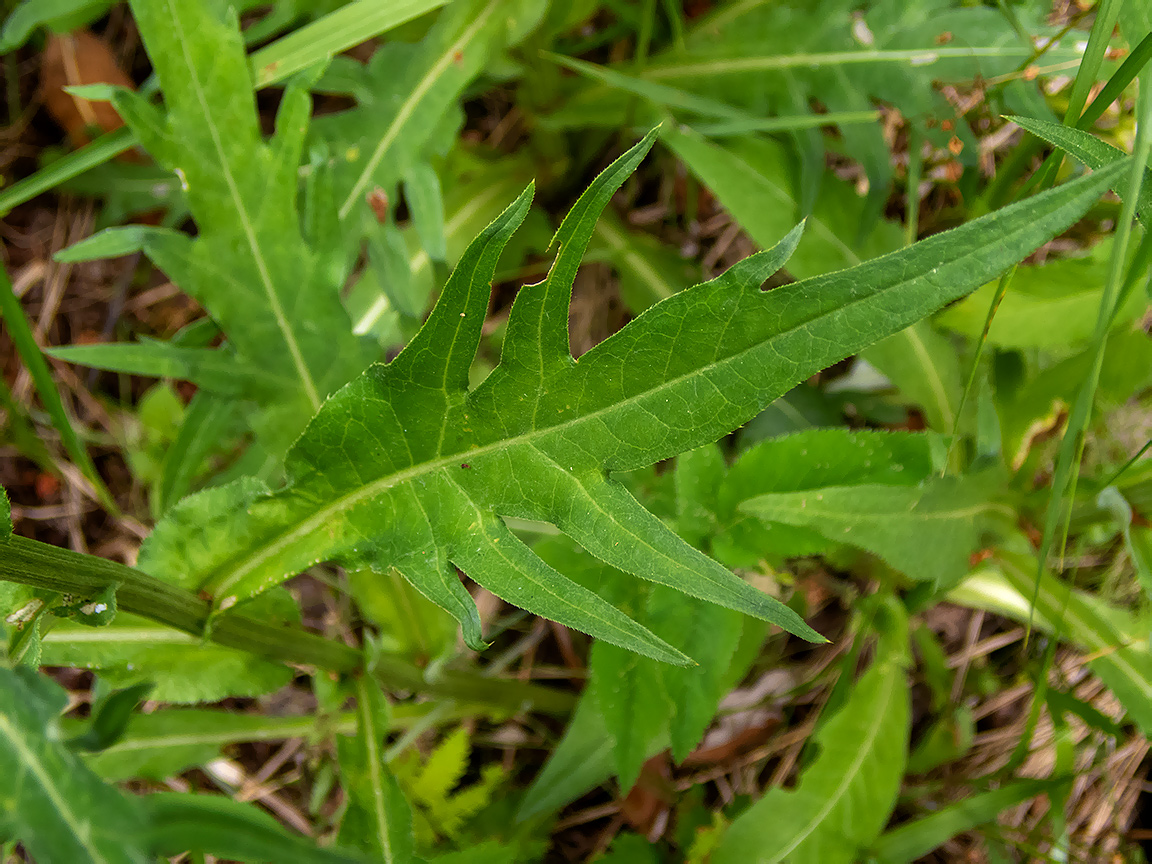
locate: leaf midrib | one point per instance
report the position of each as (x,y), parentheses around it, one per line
(736,65)
(351,499)
(410,104)
(242,212)
(29,759)
(853,768)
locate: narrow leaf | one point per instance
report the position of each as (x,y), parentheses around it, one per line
(54,804)
(913,840)
(927,532)
(846,796)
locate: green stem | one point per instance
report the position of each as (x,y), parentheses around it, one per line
(40,565)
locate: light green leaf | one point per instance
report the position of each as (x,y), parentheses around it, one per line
(844,799)
(925,366)
(132,650)
(926,532)
(378,820)
(628,690)
(913,840)
(60,15)
(404,95)
(424,469)
(215,825)
(426,205)
(215,370)
(806,461)
(1115,638)
(337,31)
(248,265)
(1049,306)
(51,801)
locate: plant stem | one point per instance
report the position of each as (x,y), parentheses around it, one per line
(40,565)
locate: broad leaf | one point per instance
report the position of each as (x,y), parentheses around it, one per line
(51,801)
(926,532)
(844,799)
(405,468)
(803,462)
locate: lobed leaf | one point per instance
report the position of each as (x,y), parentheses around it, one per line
(405,468)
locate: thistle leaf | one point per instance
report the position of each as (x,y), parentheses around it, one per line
(405,468)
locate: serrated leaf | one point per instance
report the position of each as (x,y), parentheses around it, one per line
(926,532)
(52,802)
(844,799)
(406,468)
(1090,150)
(745,172)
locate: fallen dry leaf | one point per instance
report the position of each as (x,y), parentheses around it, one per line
(75,59)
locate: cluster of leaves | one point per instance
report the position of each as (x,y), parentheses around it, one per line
(307,449)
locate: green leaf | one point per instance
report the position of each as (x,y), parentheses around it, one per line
(111,717)
(215,825)
(926,532)
(337,31)
(844,799)
(51,801)
(60,15)
(1090,150)
(379,819)
(132,650)
(19,330)
(628,690)
(1050,306)
(541,436)
(404,95)
(925,366)
(805,461)
(248,265)
(580,761)
(215,370)
(1116,639)
(746,172)
(913,840)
